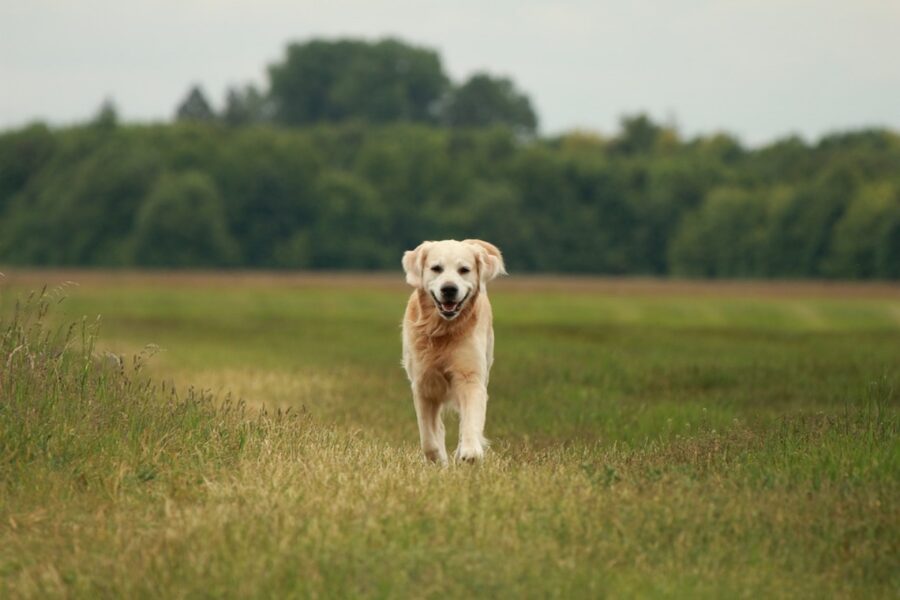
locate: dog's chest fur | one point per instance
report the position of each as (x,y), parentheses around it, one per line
(435,342)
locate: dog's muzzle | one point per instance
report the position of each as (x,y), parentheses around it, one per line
(448,309)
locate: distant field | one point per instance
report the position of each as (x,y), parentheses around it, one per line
(649,438)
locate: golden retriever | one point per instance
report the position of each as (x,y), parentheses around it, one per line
(448,340)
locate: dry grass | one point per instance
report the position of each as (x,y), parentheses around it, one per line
(713,450)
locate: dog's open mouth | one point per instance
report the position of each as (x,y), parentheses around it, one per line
(449,310)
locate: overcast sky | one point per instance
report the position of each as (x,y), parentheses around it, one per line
(760,69)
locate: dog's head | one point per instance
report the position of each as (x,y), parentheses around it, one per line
(452,272)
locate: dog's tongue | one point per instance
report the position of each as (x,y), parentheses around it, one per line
(448,306)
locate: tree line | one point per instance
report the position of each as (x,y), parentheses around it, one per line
(318,178)
(387,81)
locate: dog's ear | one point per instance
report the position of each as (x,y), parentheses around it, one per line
(414,262)
(491,259)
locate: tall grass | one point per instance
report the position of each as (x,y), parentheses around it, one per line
(78,419)
(114,485)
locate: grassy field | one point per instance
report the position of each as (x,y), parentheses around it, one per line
(649,439)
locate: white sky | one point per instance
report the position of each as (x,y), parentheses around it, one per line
(758,68)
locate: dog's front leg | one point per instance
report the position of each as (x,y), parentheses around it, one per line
(431,427)
(472,399)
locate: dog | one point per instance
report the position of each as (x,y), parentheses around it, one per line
(448,340)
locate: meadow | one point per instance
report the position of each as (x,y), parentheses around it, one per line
(236,435)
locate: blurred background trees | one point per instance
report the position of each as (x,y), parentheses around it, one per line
(195,107)
(357,151)
(378,82)
(484,100)
(246,106)
(181,223)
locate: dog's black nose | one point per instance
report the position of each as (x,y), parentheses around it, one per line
(449,291)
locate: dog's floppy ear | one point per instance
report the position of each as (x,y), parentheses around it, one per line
(413,263)
(491,259)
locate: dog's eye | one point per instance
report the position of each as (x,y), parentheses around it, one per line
(437,269)
(464,270)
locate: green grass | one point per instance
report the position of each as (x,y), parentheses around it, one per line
(672,445)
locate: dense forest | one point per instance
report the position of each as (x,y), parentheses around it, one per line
(358,151)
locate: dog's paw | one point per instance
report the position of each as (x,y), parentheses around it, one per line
(436,456)
(470,455)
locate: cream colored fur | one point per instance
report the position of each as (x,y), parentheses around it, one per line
(448,358)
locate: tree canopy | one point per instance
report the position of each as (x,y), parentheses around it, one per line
(386,81)
(338,80)
(357,151)
(483,101)
(357,195)
(195,107)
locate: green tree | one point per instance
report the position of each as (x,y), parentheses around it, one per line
(245,106)
(23,155)
(267,179)
(719,147)
(867,238)
(181,223)
(484,100)
(660,193)
(83,209)
(803,221)
(350,79)
(195,107)
(789,160)
(725,237)
(350,226)
(640,135)
(356,194)
(107,116)
(494,212)
(411,170)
